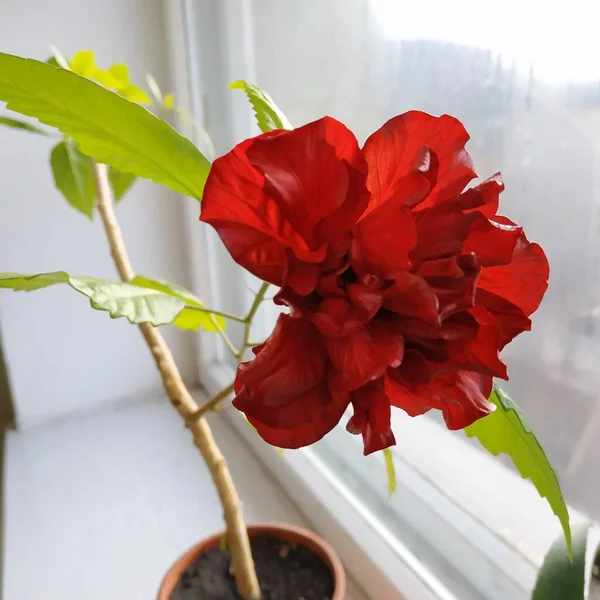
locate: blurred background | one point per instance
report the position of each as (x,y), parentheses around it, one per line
(523,77)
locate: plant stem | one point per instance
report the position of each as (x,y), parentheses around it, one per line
(237,534)
(213,402)
(250,316)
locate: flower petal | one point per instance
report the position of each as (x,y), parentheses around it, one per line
(383,239)
(393,150)
(440,231)
(372,417)
(309,171)
(248,221)
(315,414)
(291,362)
(483,197)
(523,281)
(411,296)
(492,241)
(461,396)
(364,355)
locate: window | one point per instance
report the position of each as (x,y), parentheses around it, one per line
(531,100)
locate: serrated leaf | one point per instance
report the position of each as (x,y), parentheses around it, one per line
(561,579)
(391,471)
(137,304)
(107,127)
(74,176)
(16,124)
(120,182)
(507,430)
(188,318)
(268,115)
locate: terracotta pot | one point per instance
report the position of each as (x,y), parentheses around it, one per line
(288,533)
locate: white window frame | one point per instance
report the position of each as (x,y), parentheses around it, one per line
(501,527)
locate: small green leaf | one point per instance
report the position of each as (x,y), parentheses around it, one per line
(120,182)
(84,64)
(107,127)
(120,73)
(188,318)
(268,114)
(137,304)
(391,471)
(561,579)
(223,546)
(169,101)
(507,430)
(73,176)
(16,124)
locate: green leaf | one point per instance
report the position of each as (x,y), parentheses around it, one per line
(391,471)
(137,304)
(188,318)
(120,182)
(74,176)
(84,64)
(268,114)
(507,430)
(107,127)
(169,101)
(561,579)
(16,124)
(120,73)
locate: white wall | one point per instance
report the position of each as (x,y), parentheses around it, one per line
(61,355)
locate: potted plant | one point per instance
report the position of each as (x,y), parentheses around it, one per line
(402,283)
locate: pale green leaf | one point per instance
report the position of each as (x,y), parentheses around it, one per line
(561,579)
(137,304)
(73,176)
(391,471)
(120,72)
(16,124)
(107,127)
(169,101)
(84,64)
(506,430)
(268,114)
(189,317)
(120,182)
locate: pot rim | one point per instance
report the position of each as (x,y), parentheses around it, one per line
(286,532)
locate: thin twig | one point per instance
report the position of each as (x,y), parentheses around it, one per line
(181,399)
(212,403)
(250,316)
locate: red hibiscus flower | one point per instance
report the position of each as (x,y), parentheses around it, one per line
(403,288)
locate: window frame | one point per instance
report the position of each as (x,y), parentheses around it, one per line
(510,531)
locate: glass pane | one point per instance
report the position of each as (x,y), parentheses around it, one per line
(532,106)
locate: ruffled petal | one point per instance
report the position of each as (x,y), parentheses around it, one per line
(481,353)
(396,149)
(372,417)
(284,391)
(315,414)
(483,197)
(523,281)
(364,355)
(440,231)
(311,173)
(491,240)
(383,239)
(248,221)
(460,396)
(411,296)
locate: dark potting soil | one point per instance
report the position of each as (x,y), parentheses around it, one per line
(285,572)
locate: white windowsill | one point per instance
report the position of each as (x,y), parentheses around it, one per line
(99,505)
